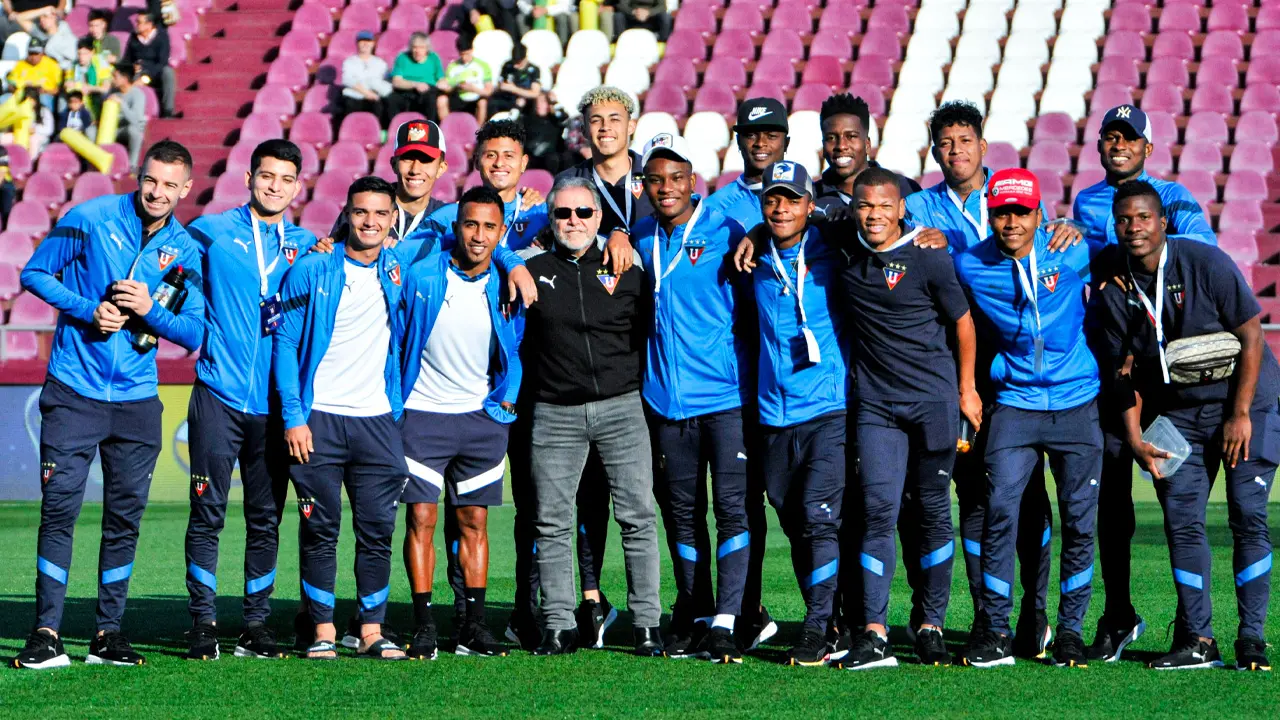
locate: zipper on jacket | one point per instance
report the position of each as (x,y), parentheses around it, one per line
(253,367)
(586,334)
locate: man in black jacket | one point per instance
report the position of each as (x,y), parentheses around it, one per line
(148,52)
(583,340)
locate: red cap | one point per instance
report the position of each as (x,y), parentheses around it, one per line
(1013,186)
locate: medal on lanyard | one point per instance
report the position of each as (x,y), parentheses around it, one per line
(1029,289)
(608,197)
(980,224)
(658,273)
(401,232)
(810,340)
(270,309)
(1156,314)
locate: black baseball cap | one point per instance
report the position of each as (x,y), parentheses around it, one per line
(757,113)
(421,136)
(788,175)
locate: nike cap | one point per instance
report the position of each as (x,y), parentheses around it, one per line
(761,113)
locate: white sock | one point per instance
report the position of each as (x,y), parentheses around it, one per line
(723,621)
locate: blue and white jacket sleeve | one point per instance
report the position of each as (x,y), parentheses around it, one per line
(1187,220)
(295,294)
(59,249)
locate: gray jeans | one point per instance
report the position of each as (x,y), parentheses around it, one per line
(562,437)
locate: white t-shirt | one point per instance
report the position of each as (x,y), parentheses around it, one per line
(349,380)
(455,362)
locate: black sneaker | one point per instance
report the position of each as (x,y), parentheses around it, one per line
(1111,639)
(594,618)
(1191,654)
(812,649)
(112,648)
(685,641)
(1068,650)
(524,631)
(1251,654)
(304,632)
(869,651)
(756,628)
(1031,641)
(991,650)
(838,643)
(202,642)
(930,647)
(43,651)
(721,648)
(258,641)
(475,639)
(423,645)
(978,628)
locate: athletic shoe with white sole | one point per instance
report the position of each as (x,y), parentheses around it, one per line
(811,650)
(1068,650)
(524,631)
(1031,641)
(838,643)
(112,648)
(1193,654)
(202,642)
(1251,655)
(424,643)
(43,651)
(992,650)
(1111,639)
(721,648)
(476,640)
(594,619)
(930,647)
(259,642)
(869,651)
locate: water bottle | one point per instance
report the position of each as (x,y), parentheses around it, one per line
(964,438)
(170,294)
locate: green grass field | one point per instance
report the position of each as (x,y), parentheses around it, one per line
(594,683)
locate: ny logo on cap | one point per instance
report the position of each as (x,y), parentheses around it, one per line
(1124,111)
(784,171)
(417,131)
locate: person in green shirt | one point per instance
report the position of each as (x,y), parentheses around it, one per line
(414,77)
(467,84)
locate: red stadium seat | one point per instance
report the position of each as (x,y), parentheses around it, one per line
(1229,17)
(347,158)
(10,284)
(810,97)
(743,17)
(668,99)
(876,71)
(320,98)
(59,160)
(825,70)
(363,128)
(460,129)
(1055,127)
(1001,155)
(845,17)
(275,100)
(445,192)
(31,310)
(872,95)
(1212,98)
(1125,44)
(1201,185)
(1164,127)
(783,43)
(1250,157)
(1218,70)
(714,98)
(15,248)
(1176,45)
(734,44)
(360,17)
(1123,71)
(311,128)
(291,72)
(539,180)
(258,127)
(91,185)
(774,71)
(445,44)
(302,45)
(331,187)
(831,43)
(312,18)
(1260,97)
(1268,18)
(119,161)
(1245,185)
(412,18)
(681,73)
(1208,127)
(29,218)
(1241,216)
(1257,127)
(1178,18)
(45,188)
(1170,71)
(1264,70)
(230,188)
(319,216)
(1130,17)
(1266,42)
(720,71)
(1160,164)
(685,45)
(1225,43)
(1049,158)
(699,18)
(1241,246)
(19,162)
(879,43)
(890,17)
(1109,95)
(393,42)
(792,16)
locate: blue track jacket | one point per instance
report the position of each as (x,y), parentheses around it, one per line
(1186,220)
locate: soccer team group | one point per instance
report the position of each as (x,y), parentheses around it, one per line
(845,347)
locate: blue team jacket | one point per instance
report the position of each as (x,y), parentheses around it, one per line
(421,300)
(738,202)
(694,355)
(932,207)
(792,390)
(93,246)
(1186,220)
(1068,375)
(435,233)
(235,363)
(311,292)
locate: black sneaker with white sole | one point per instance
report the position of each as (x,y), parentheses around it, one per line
(258,641)
(685,640)
(112,648)
(869,651)
(930,647)
(1068,649)
(1032,637)
(756,628)
(838,643)
(721,648)
(43,651)
(1112,638)
(993,649)
(202,642)
(594,619)
(1251,655)
(476,640)
(811,650)
(424,644)
(524,631)
(1191,654)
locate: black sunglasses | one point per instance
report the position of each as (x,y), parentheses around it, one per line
(563,213)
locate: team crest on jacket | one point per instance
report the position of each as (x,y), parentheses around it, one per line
(167,255)
(393,272)
(893,274)
(305,506)
(519,226)
(607,279)
(1050,280)
(46,471)
(1178,294)
(637,186)
(290,253)
(199,483)
(694,248)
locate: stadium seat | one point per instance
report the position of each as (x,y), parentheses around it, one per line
(671,100)
(574,78)
(829,43)
(736,44)
(1123,71)
(15,248)
(1169,70)
(311,128)
(696,17)
(1076,47)
(1212,98)
(1241,246)
(775,71)
(979,47)
(1247,157)
(319,216)
(589,46)
(872,95)
(923,77)
(683,75)
(444,43)
(543,50)
(347,157)
(638,45)
(275,100)
(710,98)
(494,48)
(1241,216)
(1207,127)
(331,187)
(45,188)
(1082,20)
(1158,97)
(1257,127)
(651,124)
(362,128)
(824,70)
(1201,185)
(1260,97)
(793,17)
(59,160)
(1055,127)
(743,17)
(301,45)
(1228,17)
(1001,155)
(899,158)
(938,24)
(460,129)
(785,44)
(409,17)
(1176,45)
(1026,48)
(686,45)
(119,161)
(842,15)
(890,17)
(1245,185)
(880,44)
(629,76)
(1180,18)
(1225,43)
(1131,17)
(810,97)
(29,218)
(707,129)
(875,71)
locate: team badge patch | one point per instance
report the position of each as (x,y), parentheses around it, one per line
(167,255)
(394,273)
(305,506)
(694,249)
(519,226)
(1178,295)
(637,186)
(893,274)
(290,253)
(1050,281)
(608,280)
(199,483)
(46,471)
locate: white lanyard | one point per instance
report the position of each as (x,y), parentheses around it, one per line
(658,273)
(515,216)
(1156,313)
(401,233)
(264,270)
(981,224)
(810,341)
(1029,289)
(908,237)
(608,197)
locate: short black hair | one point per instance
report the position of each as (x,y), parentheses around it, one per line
(481,195)
(84,43)
(75,95)
(101,14)
(462,43)
(278,149)
(518,53)
(371,184)
(846,104)
(876,176)
(124,69)
(955,112)
(495,129)
(152,17)
(169,152)
(1138,188)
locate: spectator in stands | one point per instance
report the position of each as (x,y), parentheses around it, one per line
(648,14)
(37,71)
(133,111)
(148,52)
(8,193)
(364,80)
(42,124)
(105,45)
(518,84)
(76,116)
(89,76)
(59,41)
(468,83)
(504,14)
(564,13)
(414,78)
(21,15)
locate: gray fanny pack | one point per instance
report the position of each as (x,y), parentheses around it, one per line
(1204,358)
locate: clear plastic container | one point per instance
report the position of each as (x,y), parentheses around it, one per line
(1162,434)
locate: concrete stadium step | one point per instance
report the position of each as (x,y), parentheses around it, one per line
(258,24)
(232,54)
(204,105)
(213,132)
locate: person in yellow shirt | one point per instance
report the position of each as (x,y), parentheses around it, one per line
(89,75)
(38,71)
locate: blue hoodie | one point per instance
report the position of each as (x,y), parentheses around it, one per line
(235,363)
(739,202)
(435,234)
(1186,220)
(94,246)
(791,389)
(421,300)
(311,292)
(1068,374)
(696,360)
(933,207)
